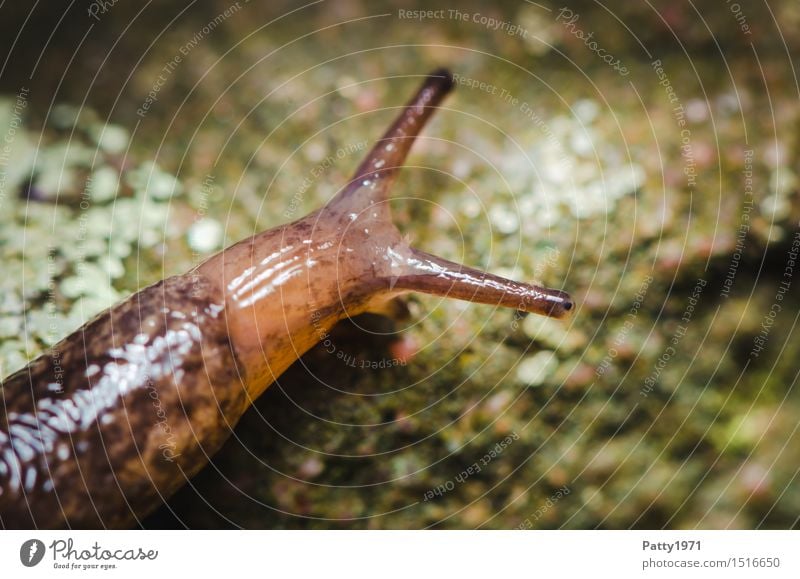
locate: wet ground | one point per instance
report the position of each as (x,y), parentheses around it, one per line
(644,160)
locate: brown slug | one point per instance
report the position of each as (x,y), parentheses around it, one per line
(116,417)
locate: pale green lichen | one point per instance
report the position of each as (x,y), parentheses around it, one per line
(153,182)
(64,248)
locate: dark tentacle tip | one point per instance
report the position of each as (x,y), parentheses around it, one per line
(445,75)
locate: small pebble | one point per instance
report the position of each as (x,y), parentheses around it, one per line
(586,110)
(104,184)
(162,186)
(581,143)
(311,468)
(697,110)
(504,219)
(471,208)
(205,235)
(112,139)
(348,87)
(535,370)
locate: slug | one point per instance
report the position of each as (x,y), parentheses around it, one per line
(105,426)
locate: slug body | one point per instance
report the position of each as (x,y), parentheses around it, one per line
(102,429)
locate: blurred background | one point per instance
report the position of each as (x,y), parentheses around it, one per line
(643,158)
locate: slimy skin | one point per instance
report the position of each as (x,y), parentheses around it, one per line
(106,426)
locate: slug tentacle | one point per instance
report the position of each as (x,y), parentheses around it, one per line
(411,269)
(372,180)
(434,275)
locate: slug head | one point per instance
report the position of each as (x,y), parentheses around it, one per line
(285,288)
(373,247)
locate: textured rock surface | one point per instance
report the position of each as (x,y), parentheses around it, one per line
(664,199)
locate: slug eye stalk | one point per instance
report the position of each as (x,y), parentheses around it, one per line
(415,270)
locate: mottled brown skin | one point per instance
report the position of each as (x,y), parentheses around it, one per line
(82,459)
(117,417)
